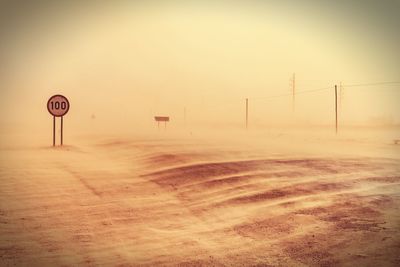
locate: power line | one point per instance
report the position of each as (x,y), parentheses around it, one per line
(327,88)
(314,90)
(298,92)
(369,84)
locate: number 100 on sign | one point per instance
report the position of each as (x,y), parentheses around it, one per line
(58,105)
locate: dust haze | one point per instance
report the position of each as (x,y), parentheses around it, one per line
(204,189)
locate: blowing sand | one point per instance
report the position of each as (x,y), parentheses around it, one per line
(191,201)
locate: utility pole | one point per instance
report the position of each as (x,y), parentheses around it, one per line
(336,118)
(341,94)
(184,116)
(247,113)
(293,83)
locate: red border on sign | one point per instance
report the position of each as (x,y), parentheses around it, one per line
(48,101)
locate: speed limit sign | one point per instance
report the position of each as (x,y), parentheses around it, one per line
(58,106)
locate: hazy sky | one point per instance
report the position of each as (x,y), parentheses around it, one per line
(125,61)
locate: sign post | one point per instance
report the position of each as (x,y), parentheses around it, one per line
(161,118)
(58,106)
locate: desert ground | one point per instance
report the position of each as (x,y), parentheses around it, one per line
(188,199)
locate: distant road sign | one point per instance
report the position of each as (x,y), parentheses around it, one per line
(58,105)
(160,118)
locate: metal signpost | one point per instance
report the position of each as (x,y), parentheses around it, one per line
(58,106)
(161,118)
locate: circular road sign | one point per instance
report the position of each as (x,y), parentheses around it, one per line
(58,105)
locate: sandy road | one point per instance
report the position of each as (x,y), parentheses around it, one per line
(167,202)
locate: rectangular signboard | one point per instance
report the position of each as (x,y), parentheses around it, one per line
(161,118)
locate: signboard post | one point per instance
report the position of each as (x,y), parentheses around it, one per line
(58,106)
(161,118)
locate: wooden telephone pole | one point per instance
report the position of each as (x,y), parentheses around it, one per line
(340,95)
(247,113)
(293,80)
(184,116)
(336,111)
